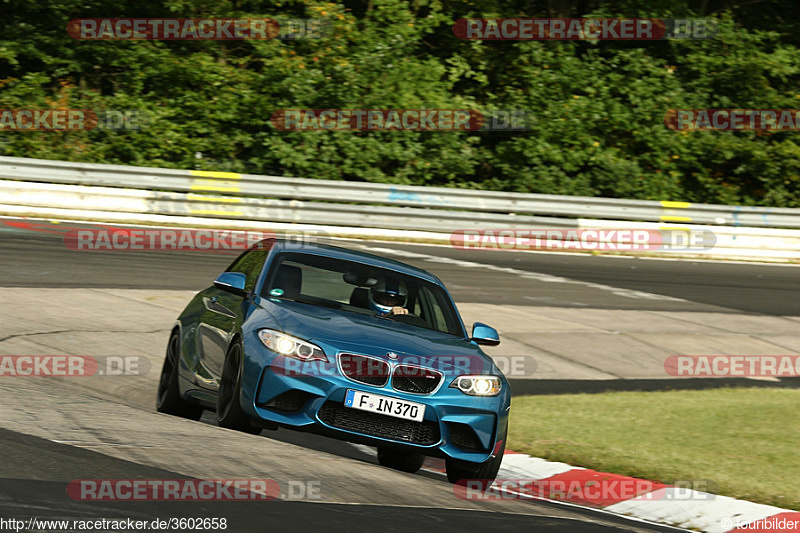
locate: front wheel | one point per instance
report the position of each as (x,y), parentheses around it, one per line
(229,411)
(403,461)
(168,398)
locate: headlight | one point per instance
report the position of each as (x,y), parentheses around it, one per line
(478,385)
(291,346)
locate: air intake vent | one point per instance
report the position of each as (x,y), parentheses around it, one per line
(290,401)
(386,427)
(464,437)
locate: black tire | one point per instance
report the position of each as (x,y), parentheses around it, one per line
(229,411)
(460,470)
(398,460)
(168,396)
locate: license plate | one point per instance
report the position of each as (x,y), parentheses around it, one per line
(375,403)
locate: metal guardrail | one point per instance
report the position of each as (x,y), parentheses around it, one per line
(285,199)
(176,204)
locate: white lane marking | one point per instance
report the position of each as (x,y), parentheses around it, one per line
(554,301)
(86,444)
(538,276)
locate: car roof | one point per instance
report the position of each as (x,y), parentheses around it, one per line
(337,252)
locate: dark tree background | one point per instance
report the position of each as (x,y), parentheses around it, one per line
(599,106)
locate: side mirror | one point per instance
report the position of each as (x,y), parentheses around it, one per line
(232,282)
(485,335)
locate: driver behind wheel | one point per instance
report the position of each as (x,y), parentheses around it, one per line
(388,296)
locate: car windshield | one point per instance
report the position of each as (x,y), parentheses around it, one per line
(356,288)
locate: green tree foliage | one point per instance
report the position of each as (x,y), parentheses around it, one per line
(598,106)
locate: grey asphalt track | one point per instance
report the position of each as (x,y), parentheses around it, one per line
(25,492)
(34,471)
(39,258)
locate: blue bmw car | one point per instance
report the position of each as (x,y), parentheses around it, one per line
(343,343)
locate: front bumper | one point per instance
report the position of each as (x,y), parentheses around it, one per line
(455,425)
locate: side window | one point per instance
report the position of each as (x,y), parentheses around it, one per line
(250,264)
(431,311)
(417,309)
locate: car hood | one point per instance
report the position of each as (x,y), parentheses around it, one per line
(365,334)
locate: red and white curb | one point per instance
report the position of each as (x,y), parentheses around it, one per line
(630,497)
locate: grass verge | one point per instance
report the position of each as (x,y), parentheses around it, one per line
(744,441)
